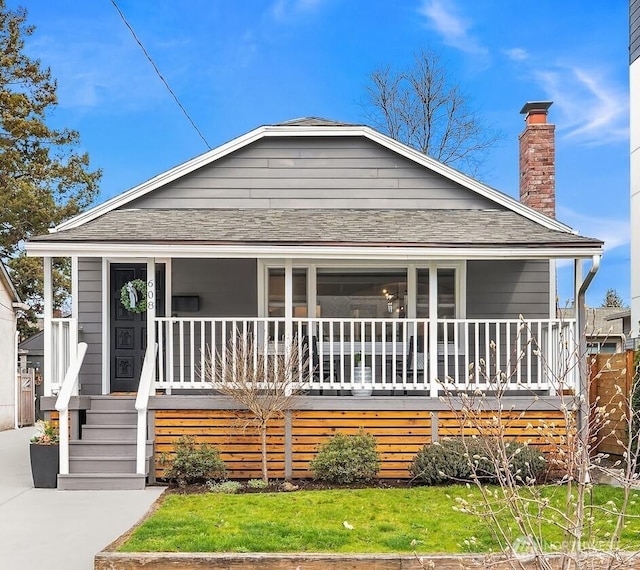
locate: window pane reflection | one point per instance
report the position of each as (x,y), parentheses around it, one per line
(361,295)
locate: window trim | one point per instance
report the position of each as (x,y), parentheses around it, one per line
(411,269)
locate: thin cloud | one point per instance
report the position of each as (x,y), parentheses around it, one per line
(282,9)
(94,73)
(614,232)
(454,29)
(516,54)
(594,109)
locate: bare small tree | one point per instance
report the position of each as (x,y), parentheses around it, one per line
(424,108)
(517,509)
(266,384)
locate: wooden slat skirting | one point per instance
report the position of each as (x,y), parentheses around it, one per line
(291,446)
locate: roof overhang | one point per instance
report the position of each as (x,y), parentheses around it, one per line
(272,251)
(4,276)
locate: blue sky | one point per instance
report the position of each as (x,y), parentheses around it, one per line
(239,64)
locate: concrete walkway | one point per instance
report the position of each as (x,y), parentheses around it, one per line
(46,528)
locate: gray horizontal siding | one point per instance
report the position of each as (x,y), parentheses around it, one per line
(634,30)
(90,319)
(314,172)
(226,287)
(507,289)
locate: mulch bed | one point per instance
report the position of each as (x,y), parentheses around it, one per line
(278,486)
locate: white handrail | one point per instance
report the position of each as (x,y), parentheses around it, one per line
(147,384)
(62,404)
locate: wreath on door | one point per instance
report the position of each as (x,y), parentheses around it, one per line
(133,296)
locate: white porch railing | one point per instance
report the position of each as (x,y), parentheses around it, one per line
(386,355)
(63,338)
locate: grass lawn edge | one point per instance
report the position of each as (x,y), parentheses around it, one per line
(112,559)
(113,546)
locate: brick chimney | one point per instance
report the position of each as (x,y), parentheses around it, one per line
(537,159)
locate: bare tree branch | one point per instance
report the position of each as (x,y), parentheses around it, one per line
(424,108)
(266,384)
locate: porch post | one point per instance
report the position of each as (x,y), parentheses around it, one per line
(151,302)
(48,333)
(433,330)
(288,300)
(581,345)
(288,311)
(73,325)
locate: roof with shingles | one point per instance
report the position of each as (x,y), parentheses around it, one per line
(599,321)
(310,127)
(319,226)
(314,122)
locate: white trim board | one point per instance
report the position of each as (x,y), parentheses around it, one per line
(137,250)
(317,131)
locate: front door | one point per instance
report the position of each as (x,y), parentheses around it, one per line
(128,328)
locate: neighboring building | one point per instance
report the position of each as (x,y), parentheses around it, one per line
(606,328)
(389,269)
(9,305)
(622,318)
(32,354)
(634,101)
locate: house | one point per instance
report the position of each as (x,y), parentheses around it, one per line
(389,269)
(606,328)
(9,305)
(32,353)
(634,135)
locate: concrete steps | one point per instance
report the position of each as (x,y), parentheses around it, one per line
(105,456)
(107,464)
(101,482)
(108,433)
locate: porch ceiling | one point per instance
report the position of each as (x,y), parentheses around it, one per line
(320,227)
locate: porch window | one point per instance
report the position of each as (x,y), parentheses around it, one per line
(446,299)
(446,294)
(362,294)
(276,292)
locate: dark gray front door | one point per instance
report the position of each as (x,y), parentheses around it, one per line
(129,329)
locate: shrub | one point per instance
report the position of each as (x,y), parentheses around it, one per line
(224,487)
(347,458)
(257,484)
(447,461)
(194,463)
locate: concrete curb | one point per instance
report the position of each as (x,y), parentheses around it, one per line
(267,561)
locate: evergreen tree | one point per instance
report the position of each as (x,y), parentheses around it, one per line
(612,299)
(44,180)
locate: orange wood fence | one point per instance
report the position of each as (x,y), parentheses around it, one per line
(609,388)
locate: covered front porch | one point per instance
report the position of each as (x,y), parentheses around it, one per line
(373,328)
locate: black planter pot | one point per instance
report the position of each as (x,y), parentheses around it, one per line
(45,464)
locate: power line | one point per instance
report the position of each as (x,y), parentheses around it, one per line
(155,67)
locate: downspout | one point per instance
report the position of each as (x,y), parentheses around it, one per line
(17,383)
(17,306)
(583,370)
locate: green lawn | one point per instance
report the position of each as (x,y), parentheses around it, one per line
(383,520)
